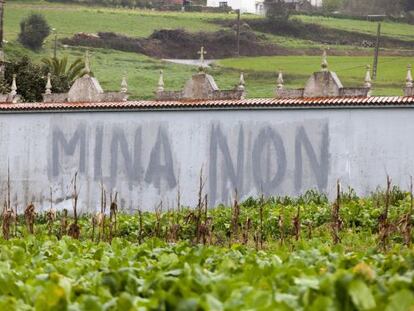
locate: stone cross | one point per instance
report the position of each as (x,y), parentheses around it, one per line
(87,64)
(160,87)
(124,84)
(240,87)
(409,79)
(368,81)
(202,52)
(324,64)
(280,80)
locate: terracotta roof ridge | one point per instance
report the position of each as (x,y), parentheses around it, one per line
(212,103)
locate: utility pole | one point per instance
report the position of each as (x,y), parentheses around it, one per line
(55,47)
(2,67)
(238,33)
(377,44)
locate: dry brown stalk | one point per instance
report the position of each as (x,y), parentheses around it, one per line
(282,225)
(74,228)
(8,208)
(7,216)
(407,222)
(140,232)
(206,226)
(113,210)
(15,219)
(174,231)
(235,211)
(102,215)
(205,231)
(30,215)
(336,222)
(383,223)
(8,188)
(260,233)
(95,222)
(64,223)
(178,198)
(309,225)
(246,230)
(256,238)
(198,220)
(158,214)
(297,224)
(51,214)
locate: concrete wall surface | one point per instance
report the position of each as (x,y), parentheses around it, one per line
(146,155)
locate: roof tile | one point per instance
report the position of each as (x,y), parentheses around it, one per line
(257,102)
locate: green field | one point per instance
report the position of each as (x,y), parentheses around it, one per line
(70,19)
(142,71)
(389,29)
(351,70)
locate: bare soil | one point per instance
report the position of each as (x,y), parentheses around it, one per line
(181,44)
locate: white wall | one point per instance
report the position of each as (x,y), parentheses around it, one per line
(245,6)
(316,3)
(145,155)
(249,6)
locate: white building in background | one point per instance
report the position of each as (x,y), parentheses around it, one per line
(253,6)
(245,6)
(317,3)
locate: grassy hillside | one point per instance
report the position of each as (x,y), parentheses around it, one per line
(69,19)
(142,71)
(395,30)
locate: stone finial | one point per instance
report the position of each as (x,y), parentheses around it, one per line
(409,78)
(124,84)
(48,84)
(368,81)
(202,52)
(14,86)
(280,80)
(324,64)
(240,87)
(160,87)
(87,63)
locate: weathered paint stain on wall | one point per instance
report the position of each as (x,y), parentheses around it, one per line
(269,158)
(227,163)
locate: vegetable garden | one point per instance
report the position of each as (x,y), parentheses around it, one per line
(276,253)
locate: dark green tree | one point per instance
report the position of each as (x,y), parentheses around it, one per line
(33,31)
(61,67)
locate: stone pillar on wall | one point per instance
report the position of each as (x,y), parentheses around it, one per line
(13,97)
(409,85)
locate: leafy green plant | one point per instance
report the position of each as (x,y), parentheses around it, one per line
(60,67)
(33,31)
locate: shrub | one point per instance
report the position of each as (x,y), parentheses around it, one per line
(33,31)
(277,10)
(31,79)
